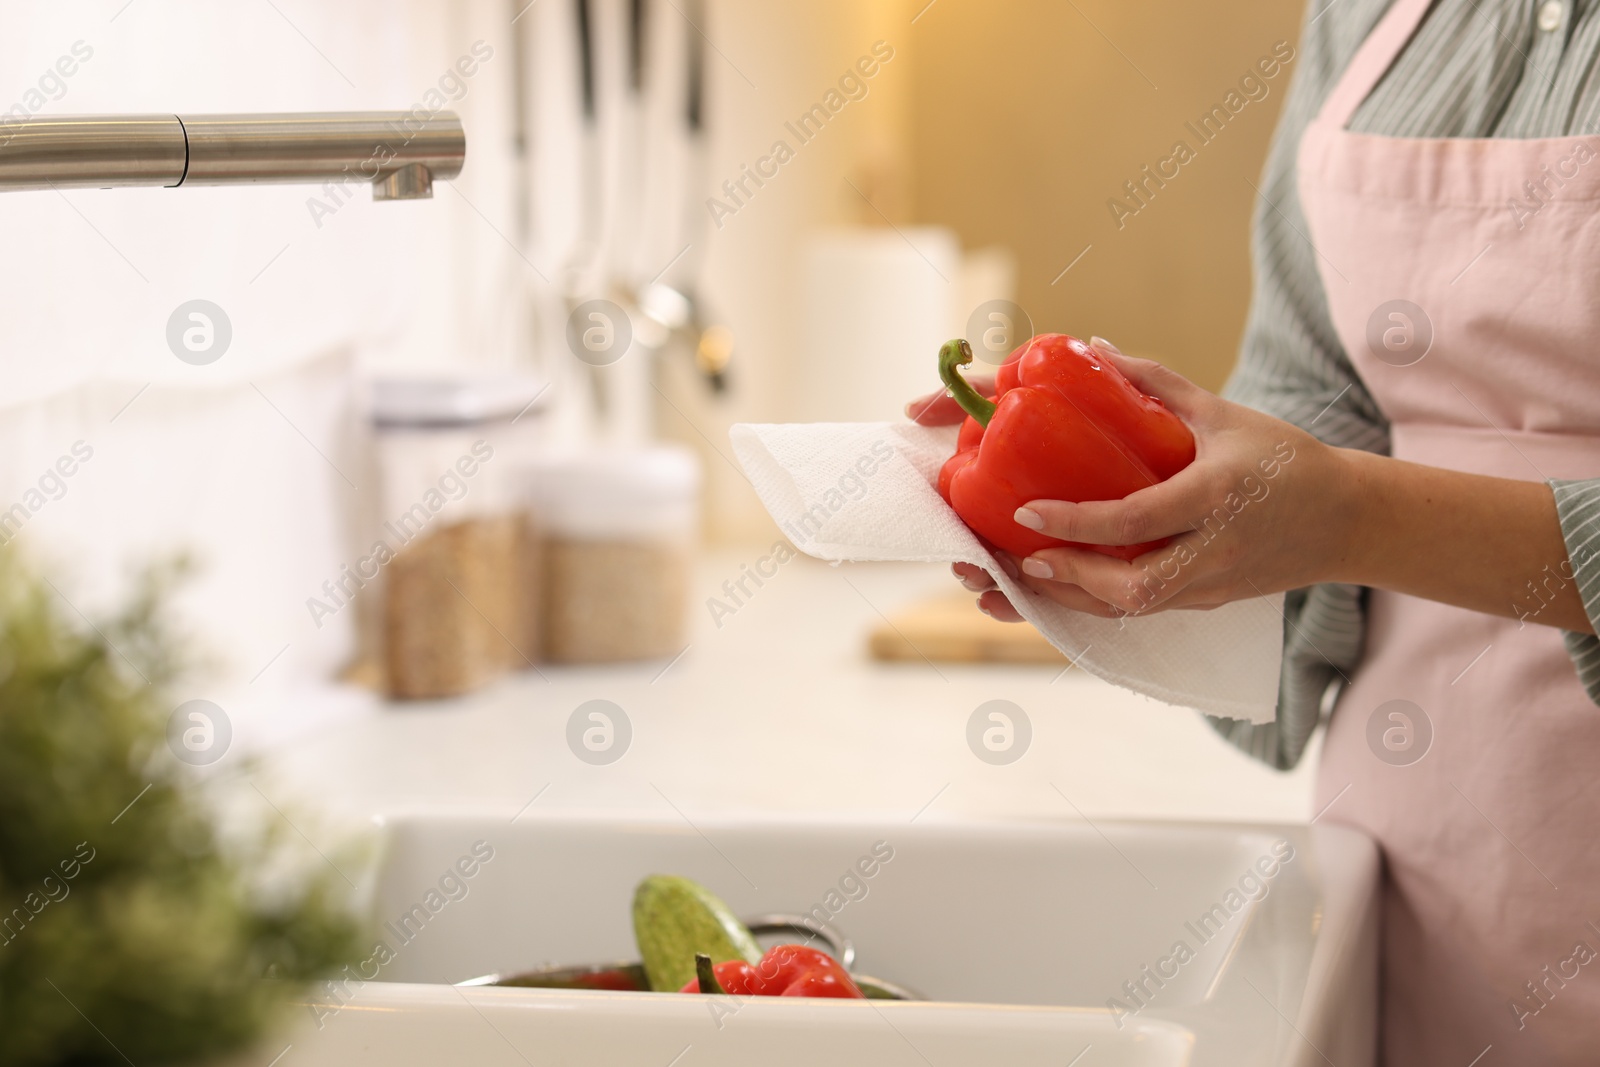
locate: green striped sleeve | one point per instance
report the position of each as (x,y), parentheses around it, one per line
(1578,504)
(1292,366)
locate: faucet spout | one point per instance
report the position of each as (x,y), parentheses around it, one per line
(399,153)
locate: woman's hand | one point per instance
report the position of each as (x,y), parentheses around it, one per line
(941,409)
(1264,507)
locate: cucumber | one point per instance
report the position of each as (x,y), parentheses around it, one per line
(674,919)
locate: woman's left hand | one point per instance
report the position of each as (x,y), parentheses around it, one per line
(1264,507)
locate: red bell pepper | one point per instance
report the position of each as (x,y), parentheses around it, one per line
(1063,425)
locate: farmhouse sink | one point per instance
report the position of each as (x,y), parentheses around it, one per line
(1033,943)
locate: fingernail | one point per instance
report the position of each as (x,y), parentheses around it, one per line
(1029,518)
(1007,566)
(1038,568)
(1102,343)
(982,608)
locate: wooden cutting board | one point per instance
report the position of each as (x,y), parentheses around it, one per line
(950,629)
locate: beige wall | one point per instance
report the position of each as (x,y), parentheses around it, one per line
(1026,121)
(1011,121)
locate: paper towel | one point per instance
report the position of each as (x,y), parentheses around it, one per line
(865,491)
(876,302)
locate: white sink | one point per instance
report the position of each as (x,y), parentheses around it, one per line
(1031,941)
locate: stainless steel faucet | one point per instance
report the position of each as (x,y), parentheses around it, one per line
(399,153)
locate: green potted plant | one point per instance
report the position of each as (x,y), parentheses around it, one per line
(132,930)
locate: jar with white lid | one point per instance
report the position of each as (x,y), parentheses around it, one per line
(459,590)
(620,527)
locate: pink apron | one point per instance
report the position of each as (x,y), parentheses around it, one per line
(1469,301)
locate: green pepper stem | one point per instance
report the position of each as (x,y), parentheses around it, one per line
(953,356)
(707,976)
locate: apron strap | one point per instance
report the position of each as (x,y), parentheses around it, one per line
(1372,60)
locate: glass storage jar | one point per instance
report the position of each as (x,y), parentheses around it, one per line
(619,532)
(460,585)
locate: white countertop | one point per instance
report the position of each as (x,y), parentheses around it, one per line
(778,710)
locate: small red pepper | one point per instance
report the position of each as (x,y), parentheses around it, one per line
(820,983)
(1064,425)
(785,965)
(731,976)
(785,971)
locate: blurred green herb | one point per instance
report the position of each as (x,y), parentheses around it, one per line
(129,933)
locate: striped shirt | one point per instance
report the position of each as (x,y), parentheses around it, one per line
(1474,68)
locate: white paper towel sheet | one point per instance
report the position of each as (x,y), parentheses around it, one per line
(865,491)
